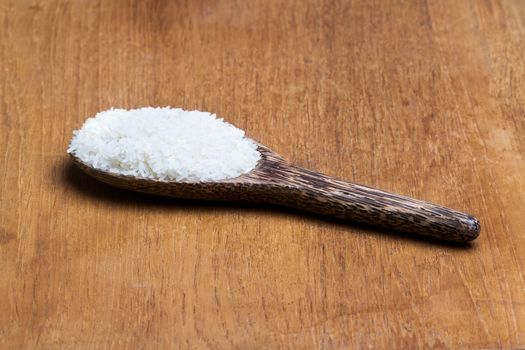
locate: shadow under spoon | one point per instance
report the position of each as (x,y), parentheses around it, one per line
(276,181)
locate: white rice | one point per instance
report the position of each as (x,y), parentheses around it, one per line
(168,144)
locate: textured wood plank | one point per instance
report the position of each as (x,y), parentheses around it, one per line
(420,98)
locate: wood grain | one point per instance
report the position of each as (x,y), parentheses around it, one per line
(420,98)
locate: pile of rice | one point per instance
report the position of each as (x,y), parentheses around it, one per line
(168,144)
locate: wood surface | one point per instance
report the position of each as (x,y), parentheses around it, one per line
(422,98)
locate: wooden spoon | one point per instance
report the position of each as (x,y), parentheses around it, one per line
(276,181)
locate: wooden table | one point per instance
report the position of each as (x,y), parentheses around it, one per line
(426,99)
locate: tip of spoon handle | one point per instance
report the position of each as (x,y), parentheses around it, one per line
(473,228)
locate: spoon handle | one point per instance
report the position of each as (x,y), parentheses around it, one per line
(325,195)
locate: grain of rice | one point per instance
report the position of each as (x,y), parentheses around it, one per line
(167,144)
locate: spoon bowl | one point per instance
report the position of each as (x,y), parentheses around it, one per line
(277,181)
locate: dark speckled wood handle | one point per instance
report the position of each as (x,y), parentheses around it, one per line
(325,195)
